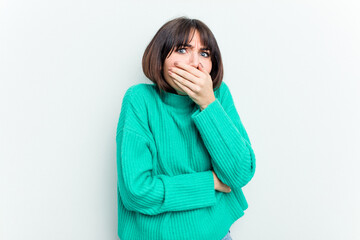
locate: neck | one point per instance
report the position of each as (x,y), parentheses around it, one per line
(180,102)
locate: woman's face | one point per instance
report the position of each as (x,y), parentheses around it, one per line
(191,55)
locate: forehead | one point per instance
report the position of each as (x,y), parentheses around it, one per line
(194,38)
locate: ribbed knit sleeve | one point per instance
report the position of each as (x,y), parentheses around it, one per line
(226,140)
(139,188)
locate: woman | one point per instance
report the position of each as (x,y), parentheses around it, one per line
(183,154)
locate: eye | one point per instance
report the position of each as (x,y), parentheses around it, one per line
(179,50)
(206,54)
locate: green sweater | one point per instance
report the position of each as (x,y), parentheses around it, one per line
(166,149)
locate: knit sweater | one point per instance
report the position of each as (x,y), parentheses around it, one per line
(166,149)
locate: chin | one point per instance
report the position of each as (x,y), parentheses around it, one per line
(177,89)
(180,92)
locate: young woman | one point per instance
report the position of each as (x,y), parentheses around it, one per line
(183,154)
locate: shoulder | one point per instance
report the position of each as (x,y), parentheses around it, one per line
(138,93)
(139,90)
(134,111)
(222,91)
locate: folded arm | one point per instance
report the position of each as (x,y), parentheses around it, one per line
(226,140)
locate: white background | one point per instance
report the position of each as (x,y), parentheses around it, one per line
(292,68)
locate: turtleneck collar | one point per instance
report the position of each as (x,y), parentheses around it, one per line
(180,103)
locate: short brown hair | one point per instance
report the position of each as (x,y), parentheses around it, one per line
(170,36)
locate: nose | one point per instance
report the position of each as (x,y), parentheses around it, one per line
(194,59)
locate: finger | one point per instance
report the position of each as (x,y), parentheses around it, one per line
(225,187)
(182,87)
(184,74)
(184,82)
(196,72)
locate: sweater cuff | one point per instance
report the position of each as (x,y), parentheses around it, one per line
(197,187)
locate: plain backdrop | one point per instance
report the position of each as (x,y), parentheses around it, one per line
(292,68)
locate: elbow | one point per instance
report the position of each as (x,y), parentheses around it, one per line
(128,204)
(128,200)
(240,173)
(133,203)
(246,171)
(140,201)
(243,180)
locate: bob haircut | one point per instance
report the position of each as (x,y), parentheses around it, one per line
(173,35)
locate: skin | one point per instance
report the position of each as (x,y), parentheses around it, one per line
(219,185)
(187,70)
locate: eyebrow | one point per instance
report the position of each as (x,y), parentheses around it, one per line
(189,45)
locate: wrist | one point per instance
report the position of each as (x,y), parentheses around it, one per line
(202,107)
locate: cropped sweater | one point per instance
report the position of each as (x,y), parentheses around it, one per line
(166,149)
